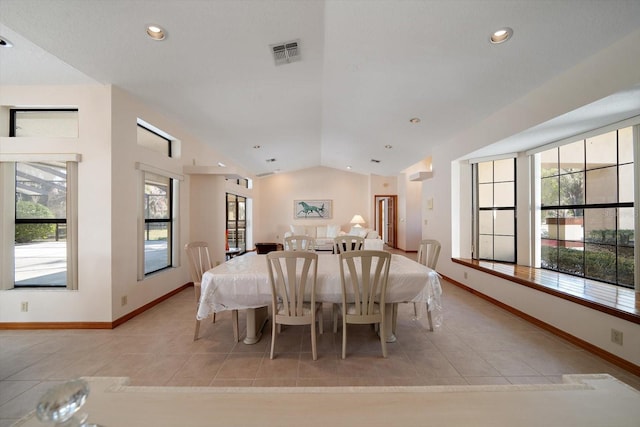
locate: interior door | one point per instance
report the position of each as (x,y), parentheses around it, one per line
(386,218)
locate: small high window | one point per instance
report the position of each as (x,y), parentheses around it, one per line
(152,140)
(43,123)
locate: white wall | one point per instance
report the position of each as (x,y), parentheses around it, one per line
(92,301)
(349,193)
(612,70)
(108,196)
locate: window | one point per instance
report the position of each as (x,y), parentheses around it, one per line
(242,182)
(495,210)
(40,224)
(158,202)
(38,194)
(587,208)
(154,140)
(43,123)
(236,223)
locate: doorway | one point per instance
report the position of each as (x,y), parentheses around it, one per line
(386,218)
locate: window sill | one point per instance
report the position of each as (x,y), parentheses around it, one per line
(610,299)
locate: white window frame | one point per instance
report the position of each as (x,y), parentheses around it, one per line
(7,215)
(175,217)
(536,201)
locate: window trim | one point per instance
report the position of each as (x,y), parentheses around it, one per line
(8,219)
(175,218)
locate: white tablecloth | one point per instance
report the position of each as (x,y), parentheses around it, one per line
(243,282)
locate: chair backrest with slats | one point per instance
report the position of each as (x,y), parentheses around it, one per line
(364,275)
(428,253)
(292,275)
(199,260)
(347,243)
(299,243)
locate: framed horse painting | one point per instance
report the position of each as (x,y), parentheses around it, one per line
(312,209)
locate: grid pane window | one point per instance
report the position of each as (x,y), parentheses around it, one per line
(40,249)
(587,209)
(157,219)
(495,210)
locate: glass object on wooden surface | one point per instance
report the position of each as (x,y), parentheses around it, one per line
(60,404)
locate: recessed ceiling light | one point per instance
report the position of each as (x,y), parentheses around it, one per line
(388,147)
(271,160)
(155,32)
(222,165)
(414,120)
(256,146)
(501,35)
(349,167)
(5,43)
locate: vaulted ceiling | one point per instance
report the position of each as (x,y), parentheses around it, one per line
(366,68)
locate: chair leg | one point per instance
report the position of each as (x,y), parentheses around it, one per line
(429,318)
(334,309)
(320,321)
(273,336)
(234,320)
(344,337)
(394,318)
(314,351)
(195,334)
(214,318)
(383,338)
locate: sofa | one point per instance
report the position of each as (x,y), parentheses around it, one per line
(325,233)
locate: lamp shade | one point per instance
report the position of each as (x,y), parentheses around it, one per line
(357,220)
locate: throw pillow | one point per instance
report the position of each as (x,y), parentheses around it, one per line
(358,231)
(298,230)
(333,231)
(321,231)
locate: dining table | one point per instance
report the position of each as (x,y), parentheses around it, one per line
(242,283)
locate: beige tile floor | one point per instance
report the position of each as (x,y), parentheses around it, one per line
(478,343)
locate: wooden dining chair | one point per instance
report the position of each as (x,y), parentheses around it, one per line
(292,275)
(347,243)
(428,253)
(342,244)
(199,262)
(299,243)
(364,275)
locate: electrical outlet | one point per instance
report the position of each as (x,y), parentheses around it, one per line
(123,301)
(24,306)
(465,274)
(616,336)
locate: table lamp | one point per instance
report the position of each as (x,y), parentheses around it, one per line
(357,220)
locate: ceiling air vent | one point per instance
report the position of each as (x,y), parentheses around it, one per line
(375,161)
(284,53)
(260,175)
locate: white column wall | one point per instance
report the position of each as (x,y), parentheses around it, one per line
(107,202)
(92,301)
